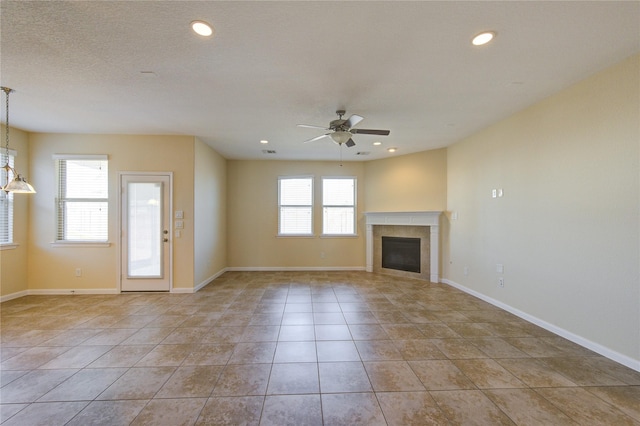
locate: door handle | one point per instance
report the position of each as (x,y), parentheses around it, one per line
(166,240)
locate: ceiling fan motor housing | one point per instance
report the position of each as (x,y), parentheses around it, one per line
(338,125)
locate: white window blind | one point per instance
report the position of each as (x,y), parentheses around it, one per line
(6,202)
(295,203)
(82,202)
(338,206)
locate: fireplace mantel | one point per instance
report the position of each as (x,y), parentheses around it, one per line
(430,219)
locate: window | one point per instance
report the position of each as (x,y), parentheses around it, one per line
(6,202)
(82,205)
(338,206)
(295,205)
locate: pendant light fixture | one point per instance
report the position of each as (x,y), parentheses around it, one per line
(17,183)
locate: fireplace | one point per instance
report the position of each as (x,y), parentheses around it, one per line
(424,226)
(400,253)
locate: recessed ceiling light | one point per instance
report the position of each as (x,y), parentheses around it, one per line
(202,28)
(377,143)
(392,149)
(264,141)
(483,38)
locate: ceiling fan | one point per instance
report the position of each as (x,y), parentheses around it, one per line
(342,130)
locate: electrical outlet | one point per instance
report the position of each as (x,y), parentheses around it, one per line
(501,282)
(322,255)
(78,272)
(465,270)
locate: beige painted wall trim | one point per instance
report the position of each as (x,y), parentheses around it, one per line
(584,342)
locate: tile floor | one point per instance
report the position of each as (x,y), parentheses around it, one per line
(298,348)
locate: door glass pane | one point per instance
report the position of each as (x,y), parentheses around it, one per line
(144,230)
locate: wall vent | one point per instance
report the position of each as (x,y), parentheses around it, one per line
(363,153)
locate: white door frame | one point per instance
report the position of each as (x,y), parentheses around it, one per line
(120,230)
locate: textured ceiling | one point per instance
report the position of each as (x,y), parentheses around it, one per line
(135,67)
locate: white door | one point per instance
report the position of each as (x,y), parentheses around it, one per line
(146,234)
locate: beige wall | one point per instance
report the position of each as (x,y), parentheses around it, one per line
(567,228)
(52,268)
(210,210)
(13,262)
(412,182)
(252,217)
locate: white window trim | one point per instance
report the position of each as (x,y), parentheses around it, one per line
(313,183)
(80,157)
(65,243)
(355,207)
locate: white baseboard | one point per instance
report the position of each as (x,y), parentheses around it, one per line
(582,341)
(208,280)
(182,290)
(14,295)
(58,292)
(70,291)
(294,268)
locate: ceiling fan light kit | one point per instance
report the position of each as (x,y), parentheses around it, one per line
(340,137)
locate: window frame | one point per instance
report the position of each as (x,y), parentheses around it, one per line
(310,206)
(59,225)
(354,206)
(9,197)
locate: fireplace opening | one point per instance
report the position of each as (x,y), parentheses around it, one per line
(402,254)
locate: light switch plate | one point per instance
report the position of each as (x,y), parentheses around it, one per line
(179,224)
(179,214)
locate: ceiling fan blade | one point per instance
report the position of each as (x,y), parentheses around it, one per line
(317,138)
(309,126)
(350,143)
(353,120)
(371,132)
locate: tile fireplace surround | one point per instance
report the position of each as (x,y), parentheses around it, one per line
(429,219)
